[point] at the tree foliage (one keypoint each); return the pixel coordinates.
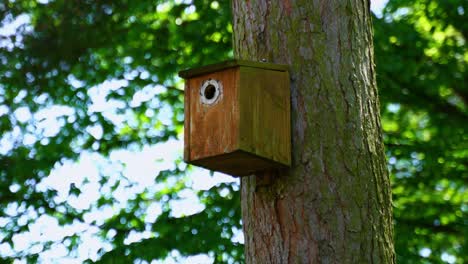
(421, 71)
(53, 68)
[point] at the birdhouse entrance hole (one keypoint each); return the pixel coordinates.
(210, 91)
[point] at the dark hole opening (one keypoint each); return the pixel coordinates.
(210, 92)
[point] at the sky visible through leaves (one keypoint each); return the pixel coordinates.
(139, 168)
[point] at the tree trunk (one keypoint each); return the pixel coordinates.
(334, 204)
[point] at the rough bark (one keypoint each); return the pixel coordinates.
(334, 204)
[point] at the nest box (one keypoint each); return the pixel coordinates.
(237, 117)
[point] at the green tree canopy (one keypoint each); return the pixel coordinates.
(69, 54)
(421, 70)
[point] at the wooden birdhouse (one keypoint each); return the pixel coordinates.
(237, 117)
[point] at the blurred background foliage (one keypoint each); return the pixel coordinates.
(65, 53)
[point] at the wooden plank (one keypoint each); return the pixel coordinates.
(238, 163)
(214, 128)
(230, 64)
(265, 124)
(187, 122)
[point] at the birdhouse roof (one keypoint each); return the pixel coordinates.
(189, 73)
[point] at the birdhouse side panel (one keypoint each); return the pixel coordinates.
(265, 125)
(214, 114)
(186, 122)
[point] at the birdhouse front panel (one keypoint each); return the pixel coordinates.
(214, 114)
(237, 117)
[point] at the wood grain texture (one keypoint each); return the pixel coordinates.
(187, 122)
(238, 163)
(248, 128)
(265, 123)
(214, 128)
(334, 204)
(216, 67)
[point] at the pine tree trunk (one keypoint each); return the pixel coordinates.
(334, 204)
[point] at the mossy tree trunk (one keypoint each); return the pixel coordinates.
(334, 204)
